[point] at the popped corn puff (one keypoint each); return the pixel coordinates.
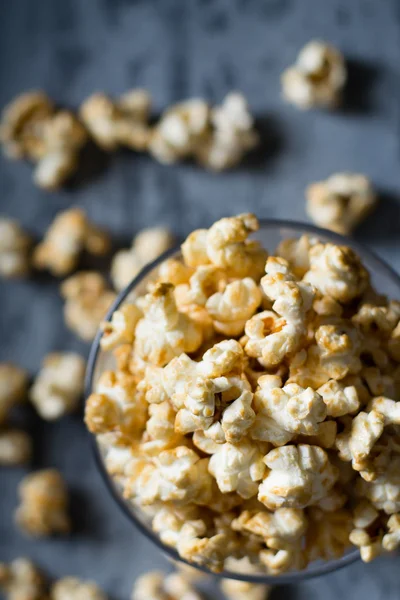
(87, 300)
(43, 504)
(120, 122)
(146, 247)
(253, 454)
(22, 580)
(72, 588)
(159, 586)
(341, 202)
(14, 247)
(13, 388)
(15, 447)
(59, 385)
(67, 237)
(317, 78)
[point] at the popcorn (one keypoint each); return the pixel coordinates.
(244, 590)
(59, 385)
(238, 468)
(341, 202)
(121, 122)
(327, 534)
(69, 234)
(277, 562)
(13, 388)
(15, 447)
(158, 586)
(284, 412)
(336, 271)
(232, 135)
(276, 335)
(279, 529)
(148, 245)
(43, 508)
(164, 332)
(231, 308)
(71, 588)
(298, 477)
(205, 282)
(14, 246)
(87, 301)
(296, 252)
(180, 131)
(340, 400)
(356, 444)
(209, 552)
(391, 540)
(317, 78)
(121, 328)
(21, 580)
(384, 491)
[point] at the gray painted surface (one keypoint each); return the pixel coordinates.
(179, 49)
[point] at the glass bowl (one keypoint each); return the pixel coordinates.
(271, 232)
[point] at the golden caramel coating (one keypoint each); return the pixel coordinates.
(14, 247)
(13, 388)
(22, 580)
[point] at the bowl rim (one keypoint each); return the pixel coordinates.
(286, 578)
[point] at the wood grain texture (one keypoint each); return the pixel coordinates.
(178, 49)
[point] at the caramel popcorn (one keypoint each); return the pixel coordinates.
(59, 385)
(13, 388)
(341, 202)
(249, 418)
(159, 586)
(71, 588)
(87, 300)
(14, 246)
(70, 233)
(43, 508)
(120, 122)
(244, 590)
(317, 78)
(22, 580)
(15, 447)
(146, 247)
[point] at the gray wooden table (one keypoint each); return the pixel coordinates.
(179, 49)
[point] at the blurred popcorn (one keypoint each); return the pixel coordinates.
(67, 237)
(155, 585)
(317, 78)
(59, 385)
(21, 580)
(71, 588)
(148, 245)
(341, 202)
(87, 300)
(14, 249)
(15, 447)
(120, 122)
(43, 504)
(13, 388)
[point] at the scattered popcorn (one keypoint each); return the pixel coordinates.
(317, 78)
(121, 122)
(21, 580)
(243, 590)
(71, 588)
(159, 586)
(148, 245)
(253, 418)
(70, 233)
(15, 447)
(59, 385)
(341, 202)
(87, 300)
(43, 507)
(14, 247)
(13, 388)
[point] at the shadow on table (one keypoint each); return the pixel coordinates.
(283, 592)
(270, 147)
(384, 222)
(358, 93)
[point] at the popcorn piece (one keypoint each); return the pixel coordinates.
(298, 477)
(370, 545)
(179, 131)
(341, 202)
(161, 430)
(231, 308)
(13, 387)
(231, 137)
(59, 385)
(283, 412)
(221, 359)
(317, 78)
(391, 540)
(336, 271)
(121, 328)
(15, 448)
(14, 246)
(21, 580)
(209, 552)
(384, 491)
(244, 590)
(174, 271)
(327, 534)
(279, 561)
(356, 444)
(238, 468)
(272, 338)
(43, 508)
(71, 588)
(205, 282)
(87, 301)
(340, 400)
(194, 249)
(148, 245)
(296, 252)
(69, 234)
(121, 122)
(158, 586)
(278, 529)
(164, 332)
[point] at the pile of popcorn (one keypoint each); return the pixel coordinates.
(252, 411)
